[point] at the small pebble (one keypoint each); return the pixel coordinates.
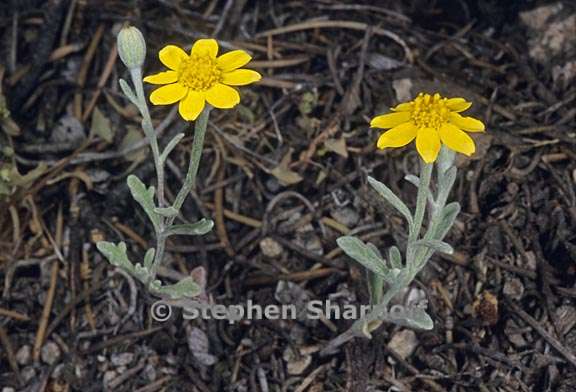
(271, 248)
(296, 364)
(108, 377)
(58, 371)
(122, 359)
(566, 318)
(404, 343)
(513, 288)
(28, 373)
(347, 216)
(150, 372)
(50, 353)
(24, 355)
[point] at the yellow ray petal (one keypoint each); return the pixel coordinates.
(428, 144)
(233, 60)
(206, 46)
(240, 77)
(456, 139)
(390, 120)
(458, 104)
(165, 77)
(398, 136)
(168, 94)
(222, 96)
(171, 56)
(467, 123)
(403, 107)
(192, 105)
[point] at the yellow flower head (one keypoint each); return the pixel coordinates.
(199, 77)
(432, 120)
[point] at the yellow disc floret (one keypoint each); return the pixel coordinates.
(429, 111)
(199, 72)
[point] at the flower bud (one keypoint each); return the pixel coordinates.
(131, 47)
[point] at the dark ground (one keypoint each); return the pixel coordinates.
(283, 176)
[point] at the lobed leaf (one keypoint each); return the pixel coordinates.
(415, 317)
(201, 227)
(145, 197)
(149, 258)
(187, 287)
(141, 273)
(437, 245)
(167, 212)
(116, 254)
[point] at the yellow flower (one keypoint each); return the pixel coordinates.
(199, 77)
(432, 120)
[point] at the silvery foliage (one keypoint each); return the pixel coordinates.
(392, 271)
(162, 217)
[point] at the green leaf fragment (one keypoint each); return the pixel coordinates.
(418, 318)
(375, 287)
(389, 196)
(363, 253)
(128, 92)
(447, 219)
(149, 258)
(412, 179)
(118, 257)
(201, 227)
(145, 197)
(170, 146)
(437, 245)
(395, 257)
(168, 212)
(116, 254)
(186, 288)
(141, 273)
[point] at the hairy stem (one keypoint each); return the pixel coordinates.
(360, 326)
(421, 200)
(423, 189)
(189, 184)
(148, 127)
(190, 181)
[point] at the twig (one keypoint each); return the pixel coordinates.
(42, 327)
(83, 73)
(5, 341)
(14, 315)
(547, 336)
(343, 24)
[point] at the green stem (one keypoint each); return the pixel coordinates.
(136, 75)
(421, 200)
(423, 189)
(189, 184)
(148, 127)
(190, 181)
(360, 326)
